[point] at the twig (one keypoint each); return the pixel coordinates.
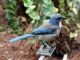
(41, 57)
(67, 46)
(65, 57)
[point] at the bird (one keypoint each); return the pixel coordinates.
(46, 31)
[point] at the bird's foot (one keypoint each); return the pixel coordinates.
(47, 51)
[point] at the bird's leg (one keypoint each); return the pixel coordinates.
(45, 49)
(43, 43)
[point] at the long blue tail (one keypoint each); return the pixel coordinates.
(21, 37)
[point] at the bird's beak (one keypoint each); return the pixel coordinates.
(63, 17)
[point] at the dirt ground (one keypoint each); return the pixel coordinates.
(22, 50)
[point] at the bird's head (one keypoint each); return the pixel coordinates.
(57, 18)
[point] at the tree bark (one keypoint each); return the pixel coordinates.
(66, 7)
(56, 4)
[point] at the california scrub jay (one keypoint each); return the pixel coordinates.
(46, 31)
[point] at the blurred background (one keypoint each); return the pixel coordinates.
(19, 17)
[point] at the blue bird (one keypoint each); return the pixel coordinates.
(46, 31)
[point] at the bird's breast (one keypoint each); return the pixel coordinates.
(46, 37)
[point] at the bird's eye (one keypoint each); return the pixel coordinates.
(59, 18)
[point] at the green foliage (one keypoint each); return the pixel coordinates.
(73, 16)
(39, 10)
(2, 28)
(11, 15)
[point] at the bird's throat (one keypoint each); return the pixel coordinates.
(60, 24)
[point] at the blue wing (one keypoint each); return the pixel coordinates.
(42, 31)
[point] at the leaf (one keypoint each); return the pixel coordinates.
(48, 10)
(75, 34)
(31, 42)
(78, 25)
(74, 10)
(33, 21)
(47, 2)
(30, 9)
(34, 15)
(28, 3)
